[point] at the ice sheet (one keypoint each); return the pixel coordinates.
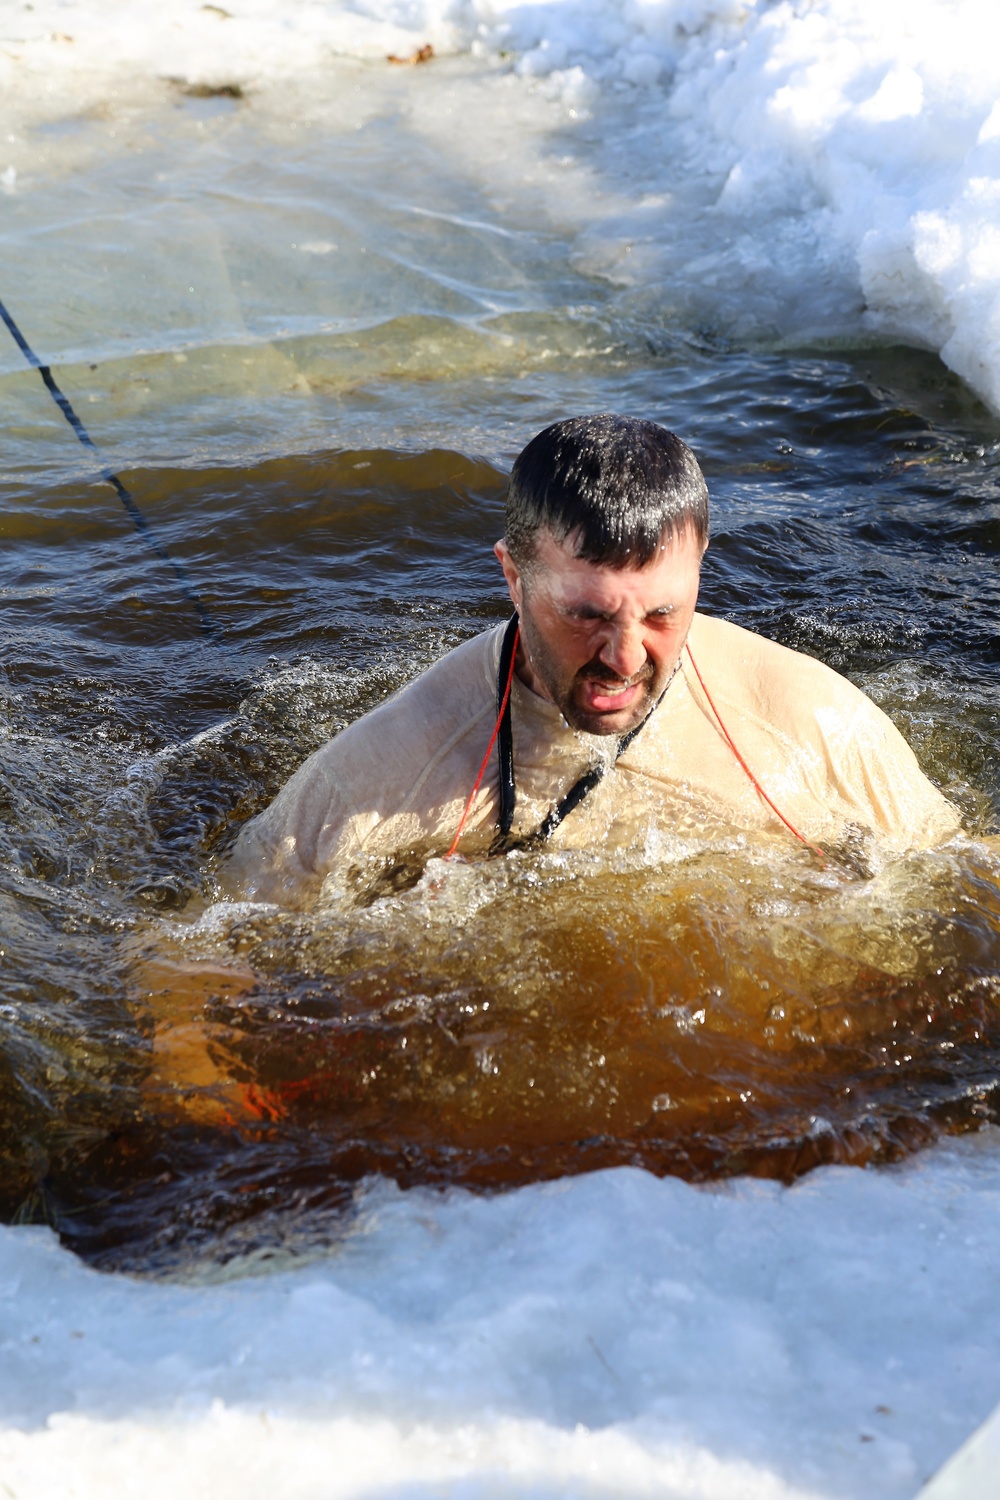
(614, 1334)
(767, 171)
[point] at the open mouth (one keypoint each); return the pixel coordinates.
(609, 697)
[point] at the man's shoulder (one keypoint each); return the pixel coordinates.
(405, 758)
(760, 674)
(775, 684)
(429, 722)
(789, 709)
(435, 705)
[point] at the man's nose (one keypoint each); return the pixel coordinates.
(624, 651)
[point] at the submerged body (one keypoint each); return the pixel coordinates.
(657, 992)
(699, 727)
(397, 780)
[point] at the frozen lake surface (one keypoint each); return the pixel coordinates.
(613, 1334)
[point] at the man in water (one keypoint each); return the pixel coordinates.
(629, 719)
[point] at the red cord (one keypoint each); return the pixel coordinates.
(754, 782)
(489, 747)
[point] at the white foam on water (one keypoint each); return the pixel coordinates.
(613, 1334)
(767, 171)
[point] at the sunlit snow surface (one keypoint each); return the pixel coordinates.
(608, 1335)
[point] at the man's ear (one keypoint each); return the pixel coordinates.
(511, 572)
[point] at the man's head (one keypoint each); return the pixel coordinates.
(607, 521)
(623, 487)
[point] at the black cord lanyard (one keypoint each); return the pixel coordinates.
(505, 756)
(209, 624)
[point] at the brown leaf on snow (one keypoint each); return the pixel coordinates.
(422, 55)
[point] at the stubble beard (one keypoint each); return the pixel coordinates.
(562, 690)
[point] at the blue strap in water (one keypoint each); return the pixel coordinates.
(208, 624)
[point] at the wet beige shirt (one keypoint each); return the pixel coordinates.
(398, 778)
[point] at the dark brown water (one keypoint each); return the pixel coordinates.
(713, 1011)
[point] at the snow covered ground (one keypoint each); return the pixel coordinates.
(610, 1335)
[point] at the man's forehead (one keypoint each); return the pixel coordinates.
(680, 548)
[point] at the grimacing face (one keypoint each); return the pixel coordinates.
(601, 642)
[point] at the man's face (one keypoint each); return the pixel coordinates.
(600, 642)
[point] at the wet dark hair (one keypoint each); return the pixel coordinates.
(620, 484)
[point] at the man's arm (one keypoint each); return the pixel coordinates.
(880, 773)
(284, 853)
(185, 1080)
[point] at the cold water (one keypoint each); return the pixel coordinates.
(312, 340)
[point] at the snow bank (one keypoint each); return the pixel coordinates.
(612, 1334)
(870, 132)
(855, 145)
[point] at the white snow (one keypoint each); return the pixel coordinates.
(613, 1334)
(971, 1474)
